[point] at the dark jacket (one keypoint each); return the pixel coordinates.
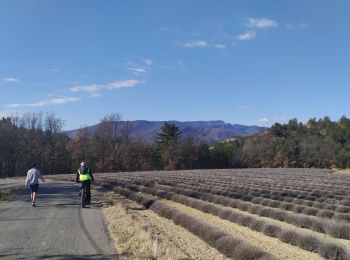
(85, 170)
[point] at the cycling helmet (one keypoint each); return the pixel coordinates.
(83, 164)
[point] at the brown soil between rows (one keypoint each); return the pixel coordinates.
(125, 228)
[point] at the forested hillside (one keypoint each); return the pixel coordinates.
(36, 137)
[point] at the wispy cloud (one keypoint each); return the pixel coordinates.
(94, 89)
(136, 70)
(55, 70)
(52, 101)
(269, 121)
(263, 120)
(10, 79)
(220, 46)
(193, 44)
(140, 67)
(247, 36)
(261, 23)
(297, 26)
(148, 62)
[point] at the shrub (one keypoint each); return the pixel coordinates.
(265, 202)
(302, 221)
(265, 212)
(234, 217)
(343, 209)
(298, 208)
(254, 209)
(244, 206)
(257, 225)
(309, 242)
(274, 204)
(279, 215)
(342, 217)
(257, 200)
(318, 226)
(225, 213)
(287, 206)
(333, 251)
(289, 236)
(272, 230)
(338, 229)
(288, 199)
(244, 220)
(247, 198)
(310, 211)
(325, 214)
(330, 207)
(248, 252)
(227, 245)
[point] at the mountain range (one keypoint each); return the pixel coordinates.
(208, 131)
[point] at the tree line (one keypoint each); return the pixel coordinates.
(37, 137)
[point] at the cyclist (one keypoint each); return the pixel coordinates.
(84, 176)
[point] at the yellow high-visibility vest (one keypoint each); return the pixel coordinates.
(84, 176)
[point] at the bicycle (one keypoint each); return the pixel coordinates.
(83, 197)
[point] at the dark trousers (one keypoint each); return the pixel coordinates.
(86, 185)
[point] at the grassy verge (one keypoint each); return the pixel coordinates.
(8, 192)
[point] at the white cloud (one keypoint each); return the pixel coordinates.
(52, 101)
(247, 36)
(10, 79)
(86, 88)
(55, 70)
(140, 67)
(220, 46)
(261, 23)
(263, 120)
(193, 44)
(136, 70)
(123, 84)
(94, 89)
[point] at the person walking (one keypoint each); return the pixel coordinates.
(84, 176)
(32, 180)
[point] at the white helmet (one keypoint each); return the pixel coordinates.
(83, 164)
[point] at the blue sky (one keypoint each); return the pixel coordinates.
(248, 62)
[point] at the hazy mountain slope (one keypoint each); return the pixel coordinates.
(206, 130)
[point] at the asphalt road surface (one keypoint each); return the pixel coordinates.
(56, 228)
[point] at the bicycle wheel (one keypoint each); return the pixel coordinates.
(83, 198)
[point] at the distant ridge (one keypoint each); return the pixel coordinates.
(208, 131)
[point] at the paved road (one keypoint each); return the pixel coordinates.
(57, 228)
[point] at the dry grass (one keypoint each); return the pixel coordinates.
(6, 193)
(133, 241)
(141, 234)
